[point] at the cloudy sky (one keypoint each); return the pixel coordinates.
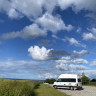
(44, 38)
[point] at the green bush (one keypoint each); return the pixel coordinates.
(50, 81)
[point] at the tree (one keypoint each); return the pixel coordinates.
(47, 81)
(50, 81)
(85, 79)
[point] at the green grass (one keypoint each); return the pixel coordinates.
(46, 90)
(17, 87)
(26, 88)
(91, 84)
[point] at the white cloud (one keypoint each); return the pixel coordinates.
(73, 41)
(49, 5)
(64, 4)
(47, 75)
(10, 35)
(91, 15)
(88, 36)
(48, 22)
(33, 31)
(39, 53)
(78, 30)
(65, 60)
(77, 67)
(53, 23)
(31, 8)
(71, 67)
(90, 73)
(72, 60)
(5, 6)
(13, 14)
(17, 65)
(43, 54)
(14, 64)
(22, 68)
(78, 5)
(93, 63)
(54, 36)
(30, 31)
(63, 67)
(80, 53)
(91, 35)
(80, 61)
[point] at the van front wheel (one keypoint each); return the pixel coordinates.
(55, 87)
(71, 88)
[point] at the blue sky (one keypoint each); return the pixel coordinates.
(43, 39)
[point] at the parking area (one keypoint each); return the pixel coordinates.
(86, 91)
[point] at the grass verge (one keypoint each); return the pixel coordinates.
(46, 90)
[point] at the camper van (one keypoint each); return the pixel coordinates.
(71, 81)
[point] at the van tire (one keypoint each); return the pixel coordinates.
(71, 88)
(55, 87)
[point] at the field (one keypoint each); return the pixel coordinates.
(26, 88)
(17, 87)
(91, 84)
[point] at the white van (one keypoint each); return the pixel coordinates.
(72, 81)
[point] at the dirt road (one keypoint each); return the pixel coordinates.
(87, 91)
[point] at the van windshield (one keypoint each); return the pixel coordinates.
(66, 80)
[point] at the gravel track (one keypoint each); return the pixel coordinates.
(86, 91)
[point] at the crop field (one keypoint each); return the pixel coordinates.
(26, 88)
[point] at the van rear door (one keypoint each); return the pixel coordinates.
(79, 82)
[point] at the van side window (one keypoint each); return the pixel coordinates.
(73, 80)
(68, 80)
(79, 80)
